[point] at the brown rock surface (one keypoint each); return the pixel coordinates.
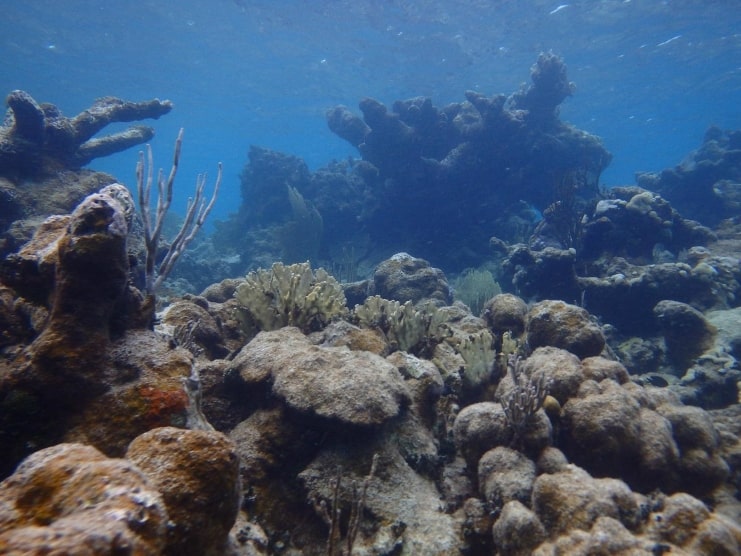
(352, 387)
(405, 278)
(572, 499)
(505, 313)
(71, 499)
(558, 324)
(197, 473)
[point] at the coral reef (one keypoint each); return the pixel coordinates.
(452, 469)
(705, 186)
(292, 295)
(264, 417)
(513, 155)
(503, 149)
(36, 139)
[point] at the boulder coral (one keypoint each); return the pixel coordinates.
(176, 492)
(71, 499)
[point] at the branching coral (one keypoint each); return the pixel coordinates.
(404, 326)
(195, 214)
(525, 398)
(36, 138)
(289, 295)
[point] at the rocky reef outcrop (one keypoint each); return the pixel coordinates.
(37, 139)
(706, 185)
(429, 181)
(393, 433)
(83, 364)
(593, 407)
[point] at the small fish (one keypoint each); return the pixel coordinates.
(558, 9)
(669, 40)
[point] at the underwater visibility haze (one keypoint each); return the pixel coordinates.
(416, 277)
(651, 76)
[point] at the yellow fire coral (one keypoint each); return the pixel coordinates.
(289, 295)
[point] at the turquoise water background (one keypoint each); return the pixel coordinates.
(651, 76)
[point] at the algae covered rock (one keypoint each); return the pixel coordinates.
(403, 505)
(71, 499)
(406, 278)
(558, 324)
(506, 313)
(562, 368)
(573, 499)
(91, 275)
(193, 327)
(602, 429)
(684, 521)
(687, 334)
(478, 428)
(94, 373)
(140, 388)
(518, 530)
(352, 387)
(606, 536)
(505, 475)
(197, 474)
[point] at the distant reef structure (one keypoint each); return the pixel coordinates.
(36, 138)
(706, 185)
(437, 182)
(594, 412)
(42, 154)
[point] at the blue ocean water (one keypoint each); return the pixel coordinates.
(651, 75)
